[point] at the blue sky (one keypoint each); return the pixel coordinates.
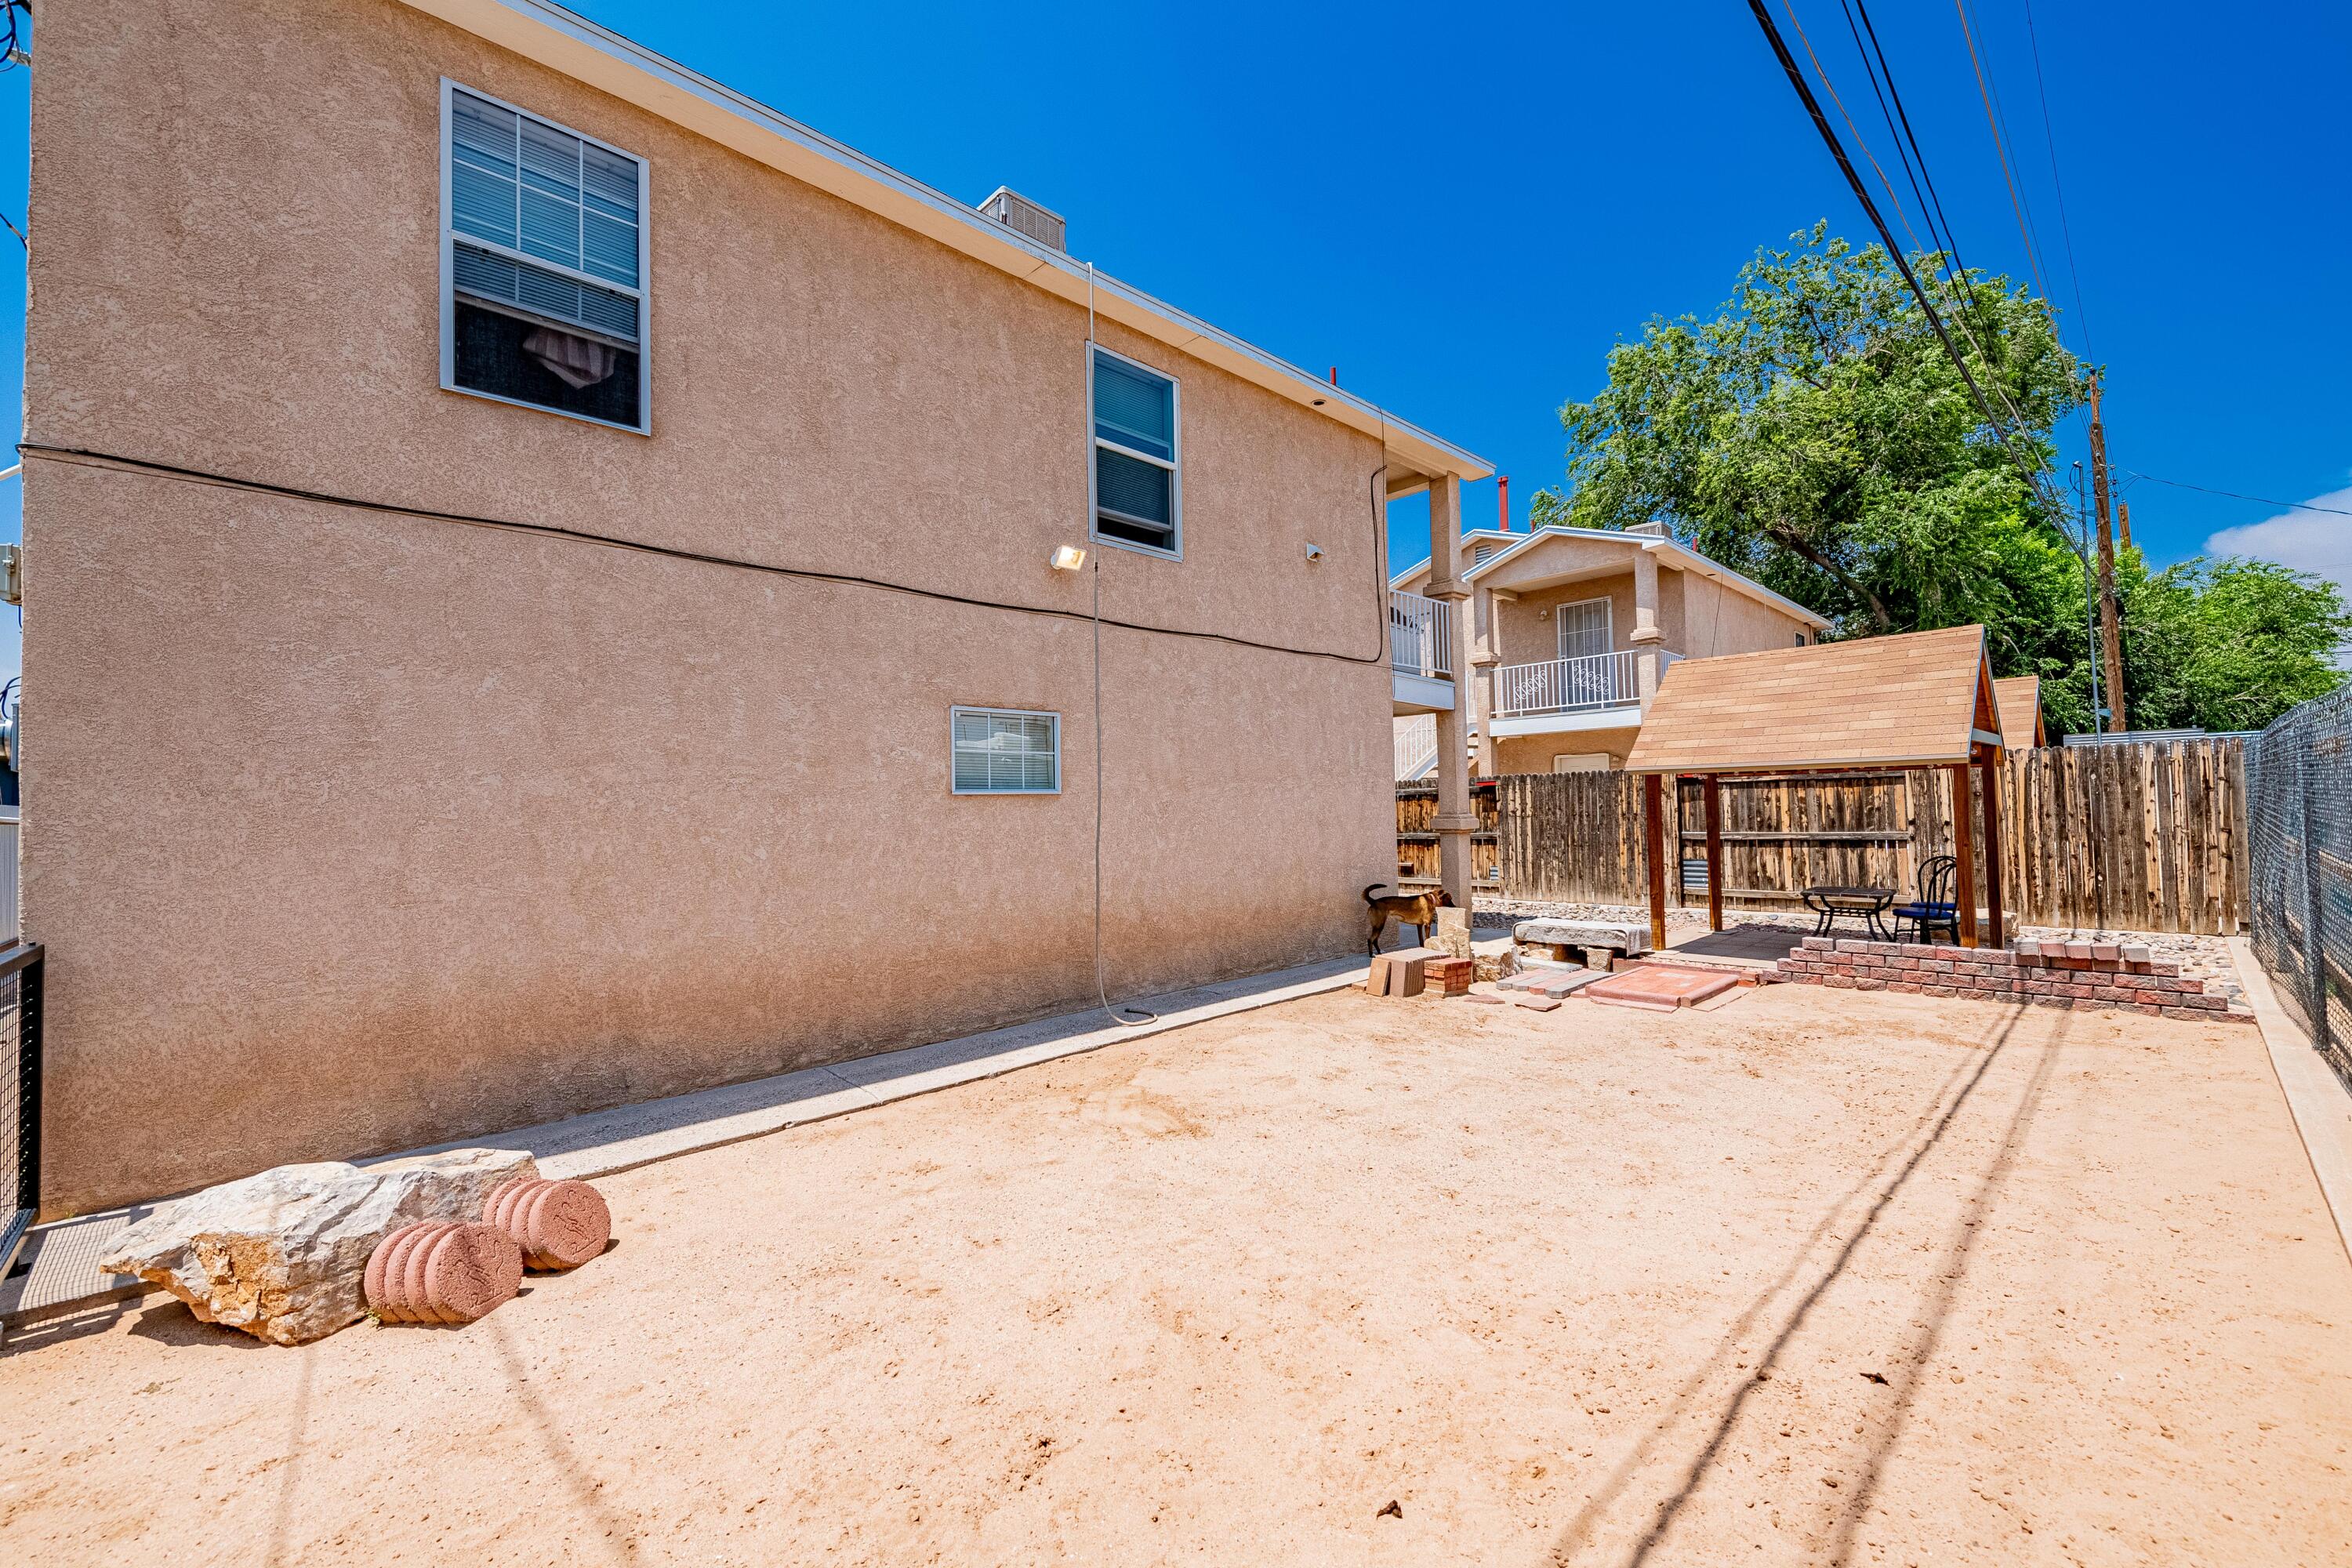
(1462, 207)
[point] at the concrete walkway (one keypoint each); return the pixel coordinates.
(60, 1261)
(2321, 1104)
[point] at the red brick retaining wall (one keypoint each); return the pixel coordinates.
(2085, 976)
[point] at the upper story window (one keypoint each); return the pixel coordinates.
(543, 264)
(1138, 494)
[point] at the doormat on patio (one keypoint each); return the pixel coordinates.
(1662, 988)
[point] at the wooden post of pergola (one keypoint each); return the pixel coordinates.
(1964, 850)
(1714, 853)
(1654, 818)
(1988, 770)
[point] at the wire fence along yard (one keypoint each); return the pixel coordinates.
(20, 1093)
(2299, 775)
(2140, 837)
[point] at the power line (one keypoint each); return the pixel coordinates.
(2031, 473)
(1951, 239)
(1997, 122)
(697, 557)
(2233, 495)
(1885, 184)
(2065, 228)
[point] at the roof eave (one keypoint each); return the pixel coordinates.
(612, 64)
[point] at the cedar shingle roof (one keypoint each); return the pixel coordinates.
(1905, 701)
(2020, 697)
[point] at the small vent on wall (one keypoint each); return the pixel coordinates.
(1018, 214)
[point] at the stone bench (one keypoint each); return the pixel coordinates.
(1594, 942)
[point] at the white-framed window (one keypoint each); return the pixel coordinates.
(1005, 750)
(1585, 630)
(1139, 493)
(543, 264)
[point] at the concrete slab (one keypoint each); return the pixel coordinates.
(1661, 987)
(66, 1277)
(2317, 1097)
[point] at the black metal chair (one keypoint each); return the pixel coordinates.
(1935, 909)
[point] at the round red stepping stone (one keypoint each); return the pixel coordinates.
(510, 1199)
(469, 1270)
(371, 1281)
(408, 1288)
(392, 1271)
(565, 1224)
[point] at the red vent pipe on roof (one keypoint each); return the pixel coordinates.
(1503, 501)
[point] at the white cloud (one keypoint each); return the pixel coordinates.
(2314, 541)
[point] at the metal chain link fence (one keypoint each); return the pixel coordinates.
(2299, 818)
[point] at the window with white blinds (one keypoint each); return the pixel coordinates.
(1584, 629)
(544, 244)
(1004, 751)
(1138, 495)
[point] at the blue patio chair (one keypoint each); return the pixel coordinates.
(1935, 909)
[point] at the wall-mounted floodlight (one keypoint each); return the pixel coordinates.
(1068, 557)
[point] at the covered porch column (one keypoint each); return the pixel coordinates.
(1647, 635)
(1455, 818)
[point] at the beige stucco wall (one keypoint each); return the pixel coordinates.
(1701, 618)
(1534, 753)
(350, 830)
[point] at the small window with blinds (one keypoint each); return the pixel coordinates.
(1138, 494)
(543, 264)
(1005, 750)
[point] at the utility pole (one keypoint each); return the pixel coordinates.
(2111, 641)
(2090, 607)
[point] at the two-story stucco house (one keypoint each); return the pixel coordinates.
(608, 552)
(1570, 630)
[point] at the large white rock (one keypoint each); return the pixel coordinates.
(282, 1255)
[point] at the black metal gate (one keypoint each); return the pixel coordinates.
(20, 1083)
(2299, 819)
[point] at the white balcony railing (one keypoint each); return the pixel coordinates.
(1567, 685)
(1416, 746)
(1421, 636)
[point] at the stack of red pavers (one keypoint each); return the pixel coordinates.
(455, 1271)
(558, 1224)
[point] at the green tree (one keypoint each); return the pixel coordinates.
(1816, 436)
(2227, 644)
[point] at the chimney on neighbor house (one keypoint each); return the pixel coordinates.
(1503, 502)
(1024, 217)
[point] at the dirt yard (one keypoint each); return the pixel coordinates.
(1817, 1278)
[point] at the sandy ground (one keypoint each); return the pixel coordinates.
(1814, 1277)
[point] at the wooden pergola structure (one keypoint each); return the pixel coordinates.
(1890, 704)
(2020, 697)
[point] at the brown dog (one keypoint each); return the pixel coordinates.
(1418, 911)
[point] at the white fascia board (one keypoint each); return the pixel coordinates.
(1682, 556)
(1627, 716)
(1691, 560)
(612, 64)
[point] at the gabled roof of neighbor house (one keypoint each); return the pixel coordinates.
(603, 59)
(1919, 699)
(1669, 554)
(2020, 697)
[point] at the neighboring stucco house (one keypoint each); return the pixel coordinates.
(598, 532)
(1571, 628)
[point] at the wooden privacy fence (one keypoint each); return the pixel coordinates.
(1416, 808)
(2143, 837)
